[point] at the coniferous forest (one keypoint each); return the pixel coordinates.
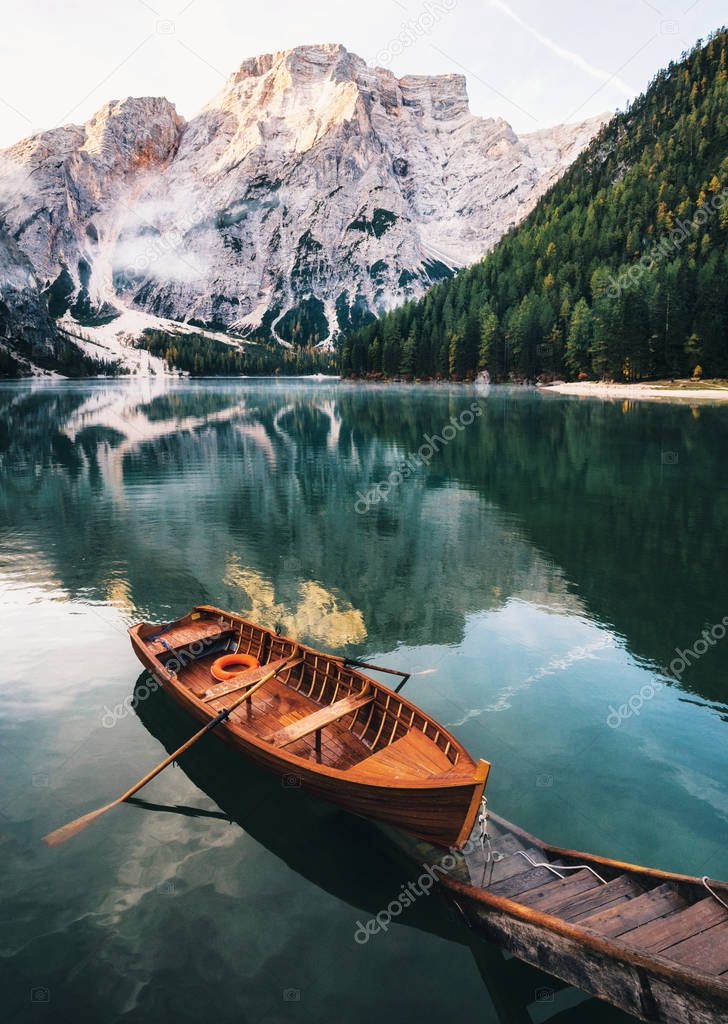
(620, 272)
(201, 356)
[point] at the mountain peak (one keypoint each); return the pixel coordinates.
(311, 193)
(313, 61)
(311, 87)
(145, 128)
(131, 131)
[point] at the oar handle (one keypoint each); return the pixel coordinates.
(220, 717)
(373, 668)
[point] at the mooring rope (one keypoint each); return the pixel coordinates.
(562, 867)
(485, 838)
(712, 892)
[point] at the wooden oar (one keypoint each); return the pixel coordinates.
(374, 668)
(60, 835)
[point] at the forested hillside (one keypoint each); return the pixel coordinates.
(620, 272)
(201, 356)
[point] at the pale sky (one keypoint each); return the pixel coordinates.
(534, 62)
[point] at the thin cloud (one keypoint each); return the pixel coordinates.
(568, 55)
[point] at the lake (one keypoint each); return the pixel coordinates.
(536, 560)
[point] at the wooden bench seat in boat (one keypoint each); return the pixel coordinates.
(318, 719)
(412, 754)
(185, 634)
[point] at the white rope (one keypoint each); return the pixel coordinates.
(540, 864)
(485, 838)
(712, 892)
(562, 867)
(483, 819)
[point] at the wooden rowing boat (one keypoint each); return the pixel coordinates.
(651, 942)
(366, 864)
(355, 861)
(321, 724)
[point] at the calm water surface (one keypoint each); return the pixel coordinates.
(537, 575)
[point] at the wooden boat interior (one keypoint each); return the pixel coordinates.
(653, 913)
(316, 707)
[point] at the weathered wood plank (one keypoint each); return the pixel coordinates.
(512, 864)
(707, 952)
(648, 997)
(667, 931)
(559, 891)
(515, 887)
(615, 921)
(621, 888)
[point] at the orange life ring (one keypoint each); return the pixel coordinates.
(219, 667)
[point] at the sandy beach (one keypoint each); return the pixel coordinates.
(667, 391)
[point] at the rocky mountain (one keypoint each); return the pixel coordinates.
(25, 324)
(310, 193)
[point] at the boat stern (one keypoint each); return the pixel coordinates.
(482, 771)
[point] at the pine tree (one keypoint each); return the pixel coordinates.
(408, 365)
(488, 330)
(455, 355)
(579, 339)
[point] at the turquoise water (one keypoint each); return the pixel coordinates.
(536, 564)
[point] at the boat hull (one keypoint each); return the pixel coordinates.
(636, 984)
(632, 965)
(442, 813)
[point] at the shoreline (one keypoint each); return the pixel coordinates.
(652, 392)
(647, 391)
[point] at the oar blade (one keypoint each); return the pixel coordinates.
(74, 827)
(60, 835)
